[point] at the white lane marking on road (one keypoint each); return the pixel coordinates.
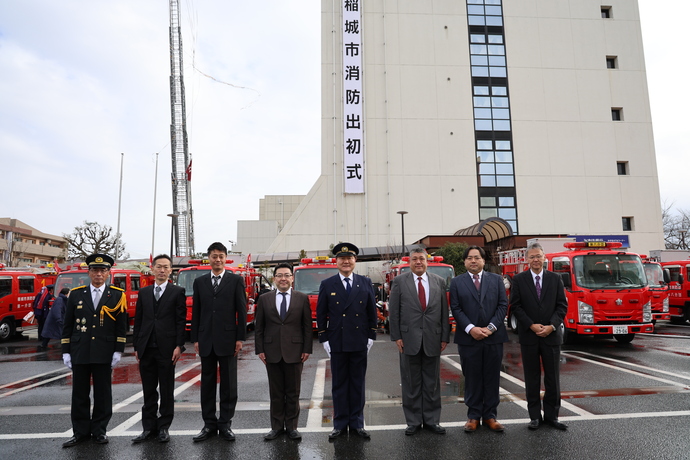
(627, 371)
(17, 382)
(34, 385)
(315, 415)
(127, 424)
(651, 369)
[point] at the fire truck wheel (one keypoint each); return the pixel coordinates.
(624, 338)
(512, 320)
(7, 329)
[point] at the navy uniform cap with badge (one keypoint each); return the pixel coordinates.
(92, 333)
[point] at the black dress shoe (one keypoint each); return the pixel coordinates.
(102, 439)
(163, 435)
(204, 434)
(534, 424)
(144, 436)
(74, 440)
(438, 429)
(411, 429)
(361, 432)
(227, 434)
(557, 424)
(294, 434)
(336, 433)
(271, 435)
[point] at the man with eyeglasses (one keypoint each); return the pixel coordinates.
(283, 338)
(93, 339)
(538, 301)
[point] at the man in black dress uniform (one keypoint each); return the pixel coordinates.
(93, 339)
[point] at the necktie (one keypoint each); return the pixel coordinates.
(482, 317)
(476, 281)
(421, 292)
(538, 286)
(96, 297)
(215, 283)
(158, 293)
(348, 288)
(283, 305)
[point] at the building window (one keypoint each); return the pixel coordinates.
(606, 12)
(627, 224)
(611, 62)
(622, 168)
(617, 114)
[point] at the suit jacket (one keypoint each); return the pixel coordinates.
(529, 309)
(280, 339)
(465, 303)
(417, 327)
(166, 322)
(346, 322)
(219, 319)
(92, 334)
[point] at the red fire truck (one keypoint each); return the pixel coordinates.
(130, 279)
(252, 281)
(657, 281)
(679, 290)
(18, 287)
(435, 265)
(606, 289)
(308, 277)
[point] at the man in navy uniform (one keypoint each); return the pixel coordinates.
(93, 339)
(346, 321)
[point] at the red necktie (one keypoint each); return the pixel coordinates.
(476, 281)
(421, 293)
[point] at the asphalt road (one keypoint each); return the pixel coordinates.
(620, 401)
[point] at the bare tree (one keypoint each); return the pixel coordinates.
(93, 237)
(676, 227)
(15, 249)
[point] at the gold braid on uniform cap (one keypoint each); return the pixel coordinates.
(121, 306)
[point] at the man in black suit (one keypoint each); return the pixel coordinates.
(219, 318)
(93, 339)
(419, 325)
(158, 341)
(283, 342)
(346, 321)
(538, 301)
(478, 301)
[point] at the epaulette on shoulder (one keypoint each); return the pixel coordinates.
(117, 288)
(78, 287)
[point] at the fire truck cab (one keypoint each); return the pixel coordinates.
(658, 279)
(308, 277)
(198, 267)
(131, 280)
(18, 287)
(679, 290)
(606, 289)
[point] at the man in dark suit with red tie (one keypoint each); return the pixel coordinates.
(219, 317)
(158, 342)
(479, 304)
(283, 337)
(346, 321)
(538, 301)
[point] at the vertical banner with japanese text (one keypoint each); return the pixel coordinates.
(353, 119)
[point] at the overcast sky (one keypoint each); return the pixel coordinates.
(83, 81)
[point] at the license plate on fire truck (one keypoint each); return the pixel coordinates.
(620, 329)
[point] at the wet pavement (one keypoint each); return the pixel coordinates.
(627, 401)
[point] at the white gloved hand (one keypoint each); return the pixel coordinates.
(67, 359)
(370, 342)
(327, 347)
(116, 358)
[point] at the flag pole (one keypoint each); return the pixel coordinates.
(155, 191)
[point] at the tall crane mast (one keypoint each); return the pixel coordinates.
(183, 222)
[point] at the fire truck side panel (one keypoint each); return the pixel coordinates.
(679, 290)
(17, 292)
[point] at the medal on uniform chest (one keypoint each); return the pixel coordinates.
(83, 328)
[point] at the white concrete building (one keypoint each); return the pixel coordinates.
(535, 111)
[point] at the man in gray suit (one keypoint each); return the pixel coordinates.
(419, 325)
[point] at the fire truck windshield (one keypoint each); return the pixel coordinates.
(308, 280)
(185, 279)
(447, 273)
(609, 271)
(72, 280)
(655, 275)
